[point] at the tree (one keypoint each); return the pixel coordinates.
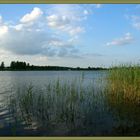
(12, 65)
(89, 68)
(2, 65)
(78, 68)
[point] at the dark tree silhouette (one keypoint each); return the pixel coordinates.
(19, 65)
(13, 65)
(89, 68)
(2, 66)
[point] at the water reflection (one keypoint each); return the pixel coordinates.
(58, 103)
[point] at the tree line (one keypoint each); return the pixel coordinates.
(19, 65)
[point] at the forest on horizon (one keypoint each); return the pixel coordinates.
(19, 65)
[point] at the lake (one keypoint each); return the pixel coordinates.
(55, 103)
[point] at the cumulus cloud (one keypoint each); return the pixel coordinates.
(76, 30)
(21, 42)
(31, 21)
(55, 42)
(31, 39)
(3, 27)
(57, 21)
(67, 19)
(34, 15)
(32, 43)
(125, 40)
(64, 24)
(3, 30)
(50, 34)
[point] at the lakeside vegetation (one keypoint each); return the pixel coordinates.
(71, 108)
(63, 107)
(23, 66)
(124, 81)
(124, 98)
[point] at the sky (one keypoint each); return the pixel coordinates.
(96, 35)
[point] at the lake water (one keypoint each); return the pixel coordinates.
(96, 118)
(9, 80)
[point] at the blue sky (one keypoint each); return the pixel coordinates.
(70, 35)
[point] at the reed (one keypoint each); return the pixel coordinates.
(70, 104)
(123, 97)
(124, 83)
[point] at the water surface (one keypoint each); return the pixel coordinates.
(95, 117)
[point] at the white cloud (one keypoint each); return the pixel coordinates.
(76, 30)
(34, 15)
(67, 19)
(98, 5)
(18, 27)
(55, 33)
(56, 43)
(3, 30)
(137, 25)
(58, 21)
(34, 39)
(136, 21)
(3, 27)
(0, 19)
(64, 23)
(86, 12)
(31, 20)
(41, 58)
(32, 42)
(125, 40)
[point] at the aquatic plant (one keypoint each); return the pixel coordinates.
(124, 82)
(123, 97)
(71, 107)
(70, 104)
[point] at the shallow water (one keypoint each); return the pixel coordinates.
(99, 119)
(10, 80)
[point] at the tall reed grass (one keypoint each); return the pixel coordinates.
(67, 105)
(124, 82)
(124, 98)
(76, 108)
